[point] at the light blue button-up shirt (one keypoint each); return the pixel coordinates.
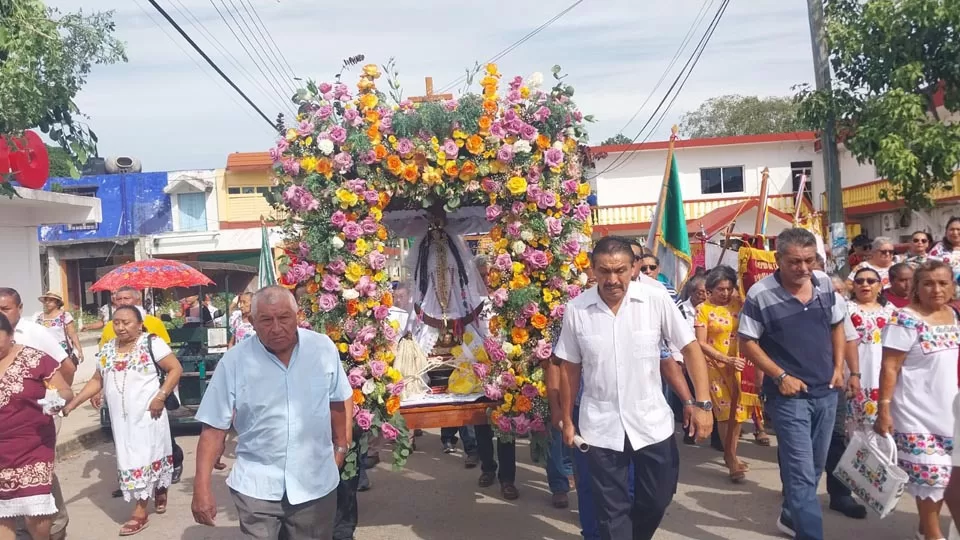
(285, 442)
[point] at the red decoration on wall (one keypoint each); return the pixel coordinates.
(29, 163)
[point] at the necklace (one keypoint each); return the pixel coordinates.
(121, 387)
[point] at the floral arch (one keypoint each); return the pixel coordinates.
(515, 149)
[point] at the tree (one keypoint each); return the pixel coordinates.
(726, 116)
(45, 57)
(890, 59)
(619, 138)
(60, 162)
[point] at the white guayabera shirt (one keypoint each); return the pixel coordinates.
(620, 354)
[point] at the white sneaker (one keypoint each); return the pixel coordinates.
(785, 525)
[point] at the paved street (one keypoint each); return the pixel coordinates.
(435, 498)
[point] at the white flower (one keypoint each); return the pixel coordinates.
(572, 133)
(558, 145)
(350, 294)
(583, 279)
(535, 80)
(521, 147)
(325, 146)
(507, 348)
(519, 247)
(526, 235)
(336, 242)
(368, 387)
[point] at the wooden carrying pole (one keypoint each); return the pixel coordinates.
(760, 226)
(652, 243)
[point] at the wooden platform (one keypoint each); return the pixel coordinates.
(453, 415)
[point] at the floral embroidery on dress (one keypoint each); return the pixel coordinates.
(929, 475)
(60, 321)
(11, 383)
(932, 339)
(919, 444)
(241, 328)
(137, 360)
(28, 476)
(869, 324)
(140, 482)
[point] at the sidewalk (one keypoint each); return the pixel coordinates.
(81, 430)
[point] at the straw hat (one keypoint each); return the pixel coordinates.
(52, 295)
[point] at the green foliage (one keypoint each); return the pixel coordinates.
(731, 115)
(45, 58)
(619, 138)
(889, 59)
(61, 165)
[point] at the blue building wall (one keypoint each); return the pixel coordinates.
(133, 205)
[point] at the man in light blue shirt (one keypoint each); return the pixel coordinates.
(292, 403)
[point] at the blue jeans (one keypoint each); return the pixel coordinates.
(467, 435)
(804, 429)
(590, 528)
(559, 464)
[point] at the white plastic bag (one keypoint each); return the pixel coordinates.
(871, 472)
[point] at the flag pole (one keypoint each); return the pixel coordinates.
(761, 224)
(658, 214)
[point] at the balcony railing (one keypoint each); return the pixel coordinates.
(869, 193)
(643, 213)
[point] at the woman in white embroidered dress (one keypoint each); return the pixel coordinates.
(869, 317)
(61, 323)
(918, 383)
(128, 371)
(241, 326)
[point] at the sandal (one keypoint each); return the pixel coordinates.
(737, 476)
(133, 526)
(761, 439)
(160, 500)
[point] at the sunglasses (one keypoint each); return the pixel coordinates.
(920, 241)
(648, 268)
(866, 281)
(886, 252)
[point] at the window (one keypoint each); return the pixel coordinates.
(193, 211)
(797, 170)
(233, 191)
(81, 191)
(718, 180)
(263, 190)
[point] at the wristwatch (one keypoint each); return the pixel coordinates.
(856, 374)
(705, 405)
(340, 449)
(778, 380)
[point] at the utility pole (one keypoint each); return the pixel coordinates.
(828, 137)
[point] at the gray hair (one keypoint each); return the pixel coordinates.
(719, 274)
(794, 237)
(481, 261)
(880, 241)
(272, 294)
(129, 289)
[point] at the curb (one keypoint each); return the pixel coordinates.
(83, 440)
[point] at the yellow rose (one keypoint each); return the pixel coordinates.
(507, 398)
(517, 185)
(371, 70)
(379, 276)
(517, 268)
(583, 189)
(361, 247)
(354, 271)
(388, 357)
(308, 164)
(393, 374)
(342, 347)
(547, 296)
(291, 135)
(369, 101)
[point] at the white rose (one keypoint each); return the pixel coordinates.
(583, 280)
(558, 145)
(521, 147)
(336, 242)
(368, 387)
(526, 235)
(350, 294)
(535, 80)
(519, 247)
(572, 133)
(325, 146)
(507, 348)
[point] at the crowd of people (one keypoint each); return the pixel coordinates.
(817, 356)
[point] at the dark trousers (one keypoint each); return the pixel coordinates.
(656, 474)
(838, 445)
(506, 455)
(467, 435)
(177, 451)
(348, 511)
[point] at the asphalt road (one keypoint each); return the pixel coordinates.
(435, 498)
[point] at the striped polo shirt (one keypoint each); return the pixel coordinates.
(797, 336)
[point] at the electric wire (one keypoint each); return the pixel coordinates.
(260, 46)
(290, 70)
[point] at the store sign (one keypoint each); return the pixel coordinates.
(26, 157)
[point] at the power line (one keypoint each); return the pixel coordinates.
(187, 54)
(517, 43)
(268, 78)
(293, 74)
(211, 62)
(227, 54)
(271, 65)
(684, 74)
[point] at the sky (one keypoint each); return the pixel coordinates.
(168, 108)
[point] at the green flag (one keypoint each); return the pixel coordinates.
(268, 275)
(673, 240)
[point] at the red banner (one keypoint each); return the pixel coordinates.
(754, 265)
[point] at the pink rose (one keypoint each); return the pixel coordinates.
(547, 199)
(530, 391)
(371, 196)
(338, 134)
(557, 312)
(337, 267)
(513, 229)
(499, 297)
(377, 260)
(330, 283)
(369, 225)
(503, 262)
(528, 132)
(533, 174)
(570, 248)
(493, 212)
(534, 192)
(494, 349)
(492, 392)
(581, 212)
(480, 370)
(389, 432)
(352, 230)
(450, 148)
(378, 368)
(554, 226)
(537, 425)
(396, 388)
(363, 418)
(381, 312)
(529, 309)
(389, 333)
(517, 208)
(508, 380)
(357, 350)
(538, 259)
(505, 154)
(543, 349)
(574, 291)
(366, 334)
(521, 424)
(569, 186)
(367, 286)
(504, 425)
(356, 377)
(338, 219)
(350, 328)
(327, 302)
(324, 88)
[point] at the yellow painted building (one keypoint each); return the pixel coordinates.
(240, 190)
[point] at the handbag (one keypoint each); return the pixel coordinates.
(872, 472)
(172, 403)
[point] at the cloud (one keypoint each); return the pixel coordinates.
(167, 107)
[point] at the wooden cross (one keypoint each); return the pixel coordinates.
(430, 95)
